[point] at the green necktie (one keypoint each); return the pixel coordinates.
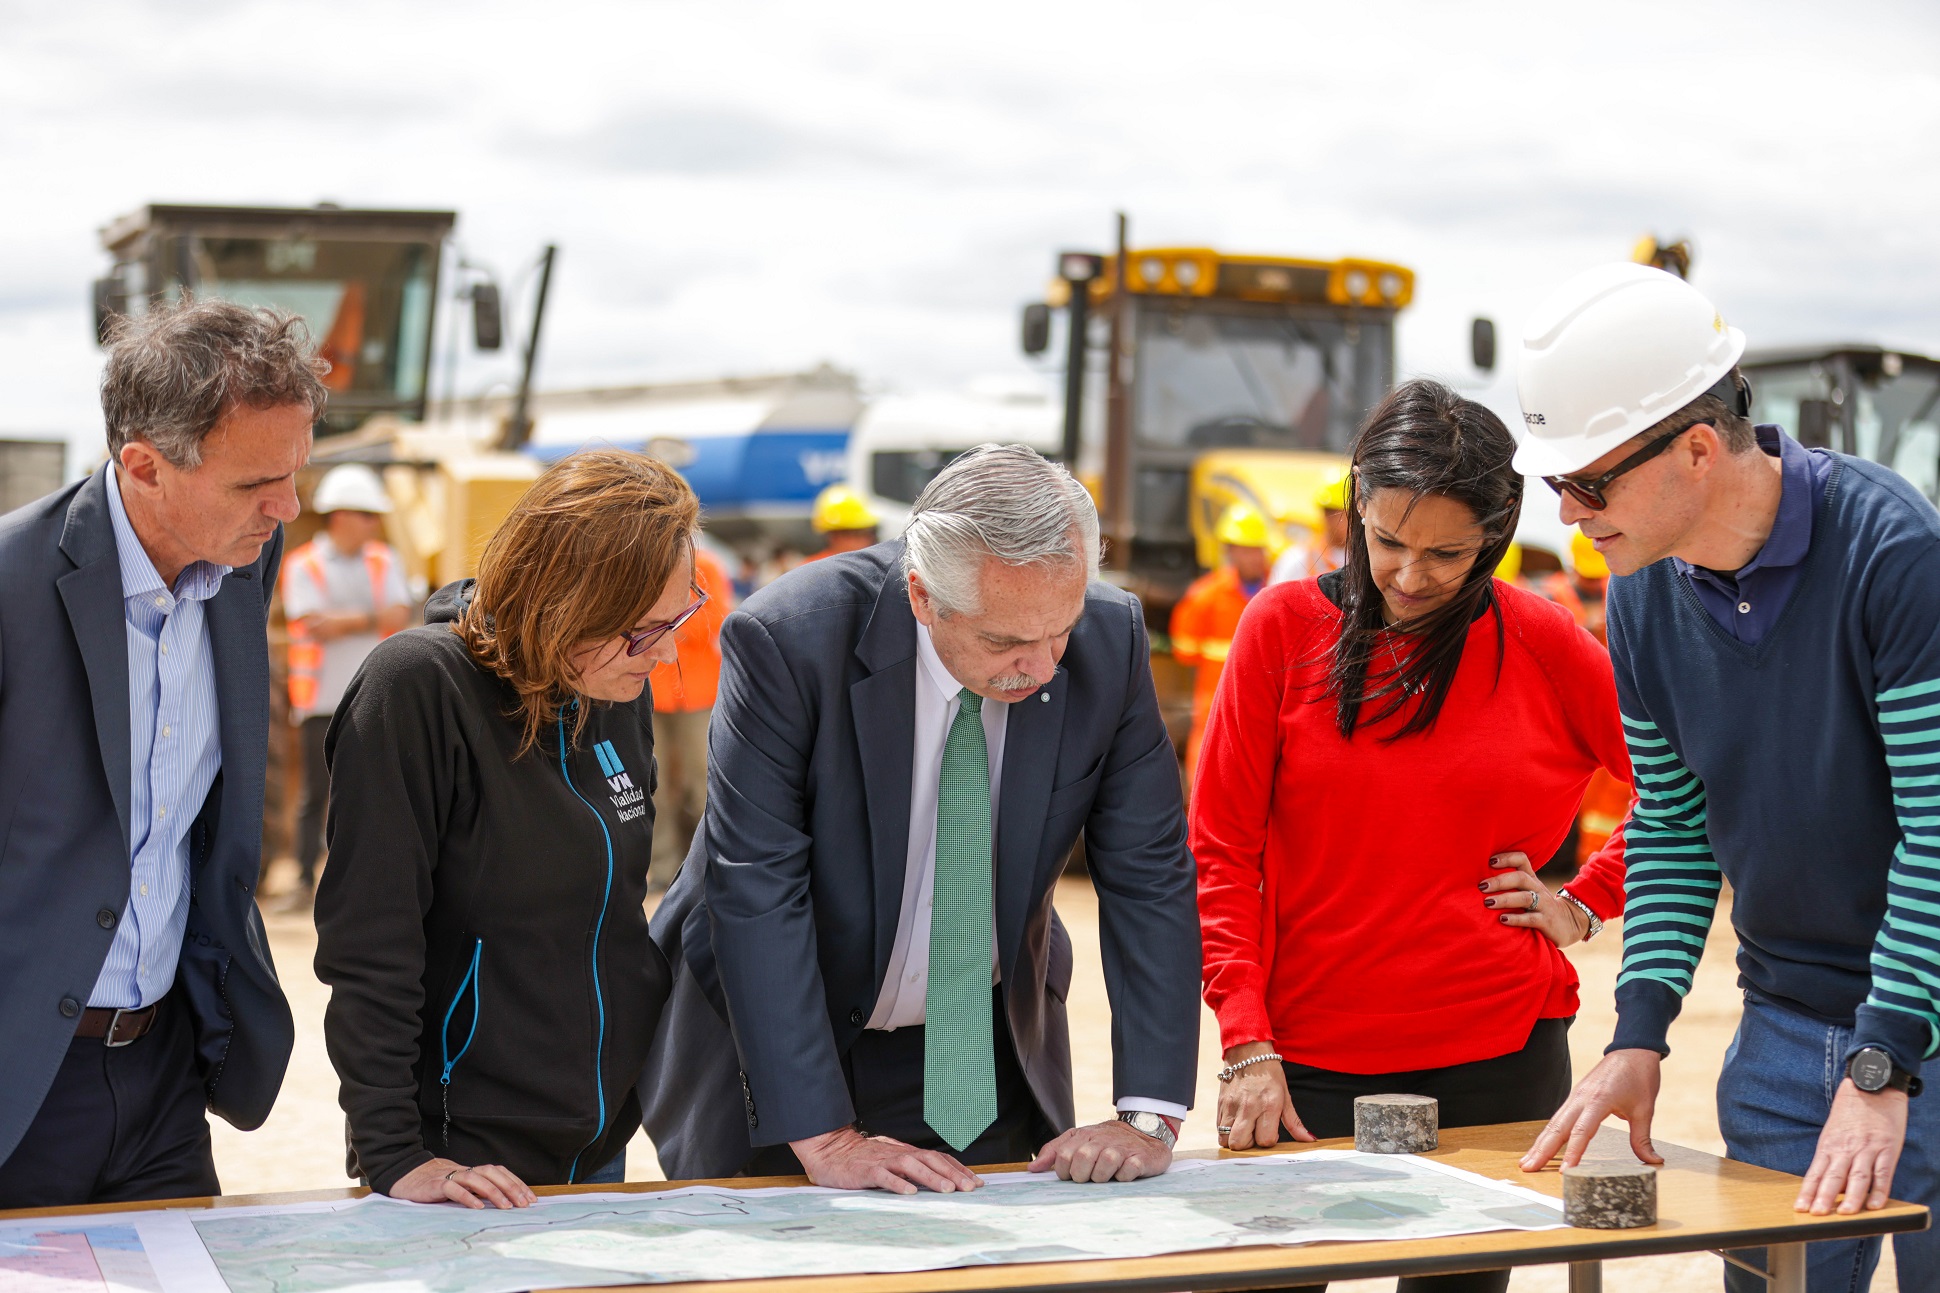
(959, 1073)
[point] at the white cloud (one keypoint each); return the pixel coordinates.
(748, 186)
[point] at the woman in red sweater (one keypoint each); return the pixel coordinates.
(1389, 747)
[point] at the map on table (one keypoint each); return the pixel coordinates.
(710, 1233)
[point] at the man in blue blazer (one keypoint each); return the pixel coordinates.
(907, 743)
(136, 988)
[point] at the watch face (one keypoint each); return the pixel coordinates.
(1871, 1070)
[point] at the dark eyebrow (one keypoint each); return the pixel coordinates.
(258, 484)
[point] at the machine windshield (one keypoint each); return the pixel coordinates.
(1231, 381)
(367, 303)
(1895, 419)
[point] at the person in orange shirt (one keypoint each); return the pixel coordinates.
(1327, 550)
(1204, 620)
(845, 521)
(1580, 590)
(683, 701)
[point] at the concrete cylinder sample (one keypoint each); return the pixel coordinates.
(1396, 1124)
(1610, 1196)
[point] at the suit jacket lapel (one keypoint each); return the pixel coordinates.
(239, 651)
(883, 709)
(92, 595)
(1031, 738)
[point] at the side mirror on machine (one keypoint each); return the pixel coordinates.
(1037, 328)
(1818, 424)
(110, 301)
(488, 329)
(1481, 344)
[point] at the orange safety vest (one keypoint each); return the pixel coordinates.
(1202, 635)
(306, 653)
(694, 682)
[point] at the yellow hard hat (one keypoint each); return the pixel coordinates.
(1241, 526)
(1332, 494)
(840, 508)
(1511, 564)
(1585, 559)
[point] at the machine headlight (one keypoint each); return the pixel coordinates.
(1186, 273)
(1390, 284)
(1152, 271)
(1356, 284)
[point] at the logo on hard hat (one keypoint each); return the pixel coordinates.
(1717, 323)
(1534, 419)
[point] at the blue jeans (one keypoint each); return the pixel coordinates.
(614, 1173)
(1774, 1098)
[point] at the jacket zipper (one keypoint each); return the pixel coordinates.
(444, 1034)
(599, 926)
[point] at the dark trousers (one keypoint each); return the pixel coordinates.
(885, 1076)
(316, 797)
(119, 1124)
(1522, 1086)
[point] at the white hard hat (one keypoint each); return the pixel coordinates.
(352, 487)
(1608, 355)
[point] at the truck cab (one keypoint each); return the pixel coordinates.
(1864, 400)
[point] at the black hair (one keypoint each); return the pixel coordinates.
(1426, 440)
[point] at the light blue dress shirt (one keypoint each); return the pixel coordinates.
(176, 750)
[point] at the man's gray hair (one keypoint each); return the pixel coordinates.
(174, 372)
(1003, 501)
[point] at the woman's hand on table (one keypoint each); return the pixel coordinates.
(443, 1181)
(1255, 1104)
(1519, 899)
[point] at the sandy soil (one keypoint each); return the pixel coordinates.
(301, 1146)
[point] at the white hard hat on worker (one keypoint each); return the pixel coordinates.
(1610, 354)
(352, 487)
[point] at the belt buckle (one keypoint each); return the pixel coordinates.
(108, 1038)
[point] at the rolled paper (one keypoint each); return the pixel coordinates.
(1396, 1124)
(1610, 1196)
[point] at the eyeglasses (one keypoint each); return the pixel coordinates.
(1590, 492)
(640, 639)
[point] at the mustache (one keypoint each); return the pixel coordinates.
(1014, 682)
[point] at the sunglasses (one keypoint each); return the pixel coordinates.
(1590, 492)
(640, 639)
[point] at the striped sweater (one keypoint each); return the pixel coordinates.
(1805, 769)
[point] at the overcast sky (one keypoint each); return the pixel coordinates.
(743, 187)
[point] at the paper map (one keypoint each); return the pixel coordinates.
(708, 1233)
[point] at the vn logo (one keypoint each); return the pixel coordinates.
(629, 801)
(615, 770)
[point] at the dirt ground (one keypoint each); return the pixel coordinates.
(301, 1146)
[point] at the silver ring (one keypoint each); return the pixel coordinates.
(1534, 898)
(1224, 1131)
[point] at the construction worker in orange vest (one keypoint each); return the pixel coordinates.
(683, 702)
(1205, 618)
(1327, 550)
(343, 592)
(843, 519)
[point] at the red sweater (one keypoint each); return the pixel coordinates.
(1337, 877)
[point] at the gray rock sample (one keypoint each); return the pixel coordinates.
(1610, 1196)
(1396, 1124)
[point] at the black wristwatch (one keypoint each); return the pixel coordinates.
(1872, 1070)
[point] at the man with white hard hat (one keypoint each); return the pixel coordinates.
(343, 592)
(1776, 635)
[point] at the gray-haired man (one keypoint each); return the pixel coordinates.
(907, 743)
(135, 983)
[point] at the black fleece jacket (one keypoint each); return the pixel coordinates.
(492, 986)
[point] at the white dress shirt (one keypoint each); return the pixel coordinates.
(905, 987)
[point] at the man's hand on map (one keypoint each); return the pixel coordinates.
(1105, 1151)
(443, 1181)
(1256, 1103)
(1859, 1149)
(1625, 1084)
(845, 1159)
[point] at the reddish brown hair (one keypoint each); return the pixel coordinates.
(585, 553)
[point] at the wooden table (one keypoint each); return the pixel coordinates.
(1703, 1203)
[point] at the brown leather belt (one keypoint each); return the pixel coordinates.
(116, 1027)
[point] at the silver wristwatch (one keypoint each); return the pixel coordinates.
(1596, 923)
(1151, 1124)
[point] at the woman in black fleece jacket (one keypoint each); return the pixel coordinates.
(493, 987)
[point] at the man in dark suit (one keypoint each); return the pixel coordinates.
(136, 988)
(907, 742)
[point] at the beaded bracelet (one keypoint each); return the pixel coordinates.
(1231, 1070)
